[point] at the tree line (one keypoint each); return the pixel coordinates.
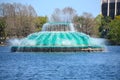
(110, 29)
(18, 20)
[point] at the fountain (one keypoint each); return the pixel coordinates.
(56, 37)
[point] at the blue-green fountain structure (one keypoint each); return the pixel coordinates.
(56, 37)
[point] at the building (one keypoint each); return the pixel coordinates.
(110, 8)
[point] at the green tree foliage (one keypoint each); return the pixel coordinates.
(2, 31)
(114, 31)
(97, 25)
(104, 27)
(78, 21)
(39, 21)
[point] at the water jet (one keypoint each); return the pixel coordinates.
(56, 37)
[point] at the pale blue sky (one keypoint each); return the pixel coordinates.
(46, 7)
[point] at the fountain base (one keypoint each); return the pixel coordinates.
(57, 49)
(56, 37)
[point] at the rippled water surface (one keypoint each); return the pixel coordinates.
(60, 66)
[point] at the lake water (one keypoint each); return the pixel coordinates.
(60, 66)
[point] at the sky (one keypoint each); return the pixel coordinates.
(46, 7)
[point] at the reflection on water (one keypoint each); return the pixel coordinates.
(60, 66)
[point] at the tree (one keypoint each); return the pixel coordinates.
(78, 21)
(97, 25)
(85, 23)
(19, 19)
(2, 31)
(114, 31)
(65, 15)
(69, 13)
(39, 21)
(56, 16)
(104, 27)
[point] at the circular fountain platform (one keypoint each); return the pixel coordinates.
(56, 37)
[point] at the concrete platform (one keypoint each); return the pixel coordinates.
(56, 49)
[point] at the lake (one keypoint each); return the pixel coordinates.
(60, 65)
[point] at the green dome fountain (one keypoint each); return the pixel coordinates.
(56, 37)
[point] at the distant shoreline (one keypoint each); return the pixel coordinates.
(3, 45)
